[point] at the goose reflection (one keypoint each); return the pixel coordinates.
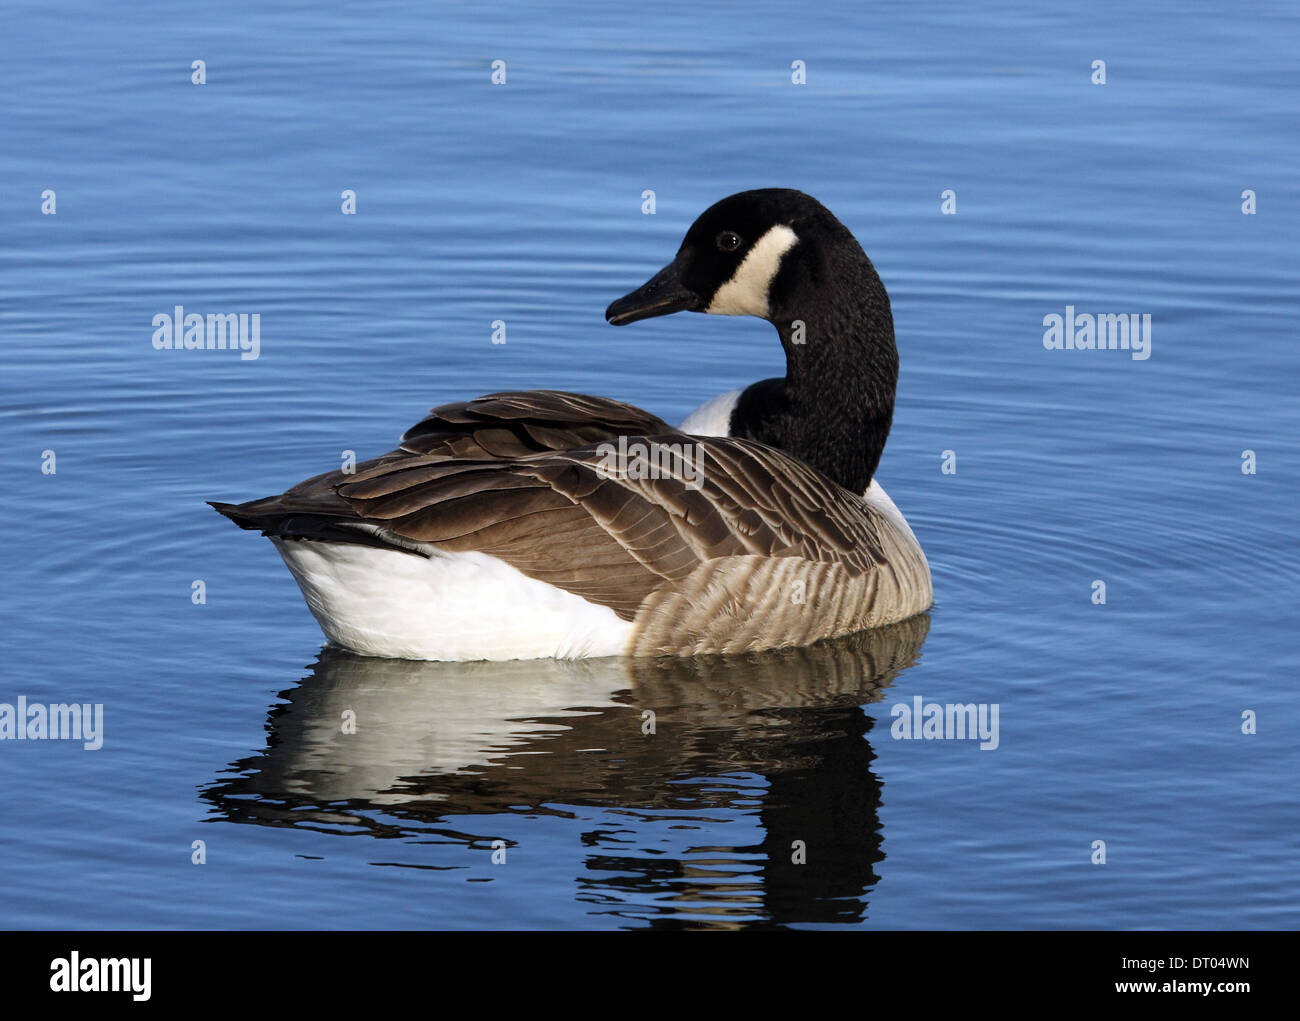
(771, 745)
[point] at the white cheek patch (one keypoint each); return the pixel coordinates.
(745, 294)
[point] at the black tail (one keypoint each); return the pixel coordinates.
(272, 518)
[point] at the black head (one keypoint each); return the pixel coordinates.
(782, 256)
(730, 259)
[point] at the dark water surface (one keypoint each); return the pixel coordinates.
(522, 202)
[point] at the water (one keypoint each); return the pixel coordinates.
(1119, 722)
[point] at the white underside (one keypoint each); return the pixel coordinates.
(448, 606)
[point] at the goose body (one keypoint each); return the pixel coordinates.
(540, 523)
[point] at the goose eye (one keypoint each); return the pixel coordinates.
(728, 241)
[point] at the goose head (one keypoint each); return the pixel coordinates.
(782, 256)
(726, 263)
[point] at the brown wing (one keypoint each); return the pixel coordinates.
(494, 476)
(585, 521)
(516, 423)
(496, 427)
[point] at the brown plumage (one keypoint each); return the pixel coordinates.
(521, 476)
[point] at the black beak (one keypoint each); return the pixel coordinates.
(661, 295)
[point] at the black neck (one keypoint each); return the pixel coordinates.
(834, 408)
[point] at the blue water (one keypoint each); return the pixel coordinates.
(522, 202)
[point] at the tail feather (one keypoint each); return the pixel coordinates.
(275, 517)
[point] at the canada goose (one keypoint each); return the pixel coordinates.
(538, 523)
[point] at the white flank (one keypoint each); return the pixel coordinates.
(712, 418)
(745, 294)
(449, 606)
(876, 497)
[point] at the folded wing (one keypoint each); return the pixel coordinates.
(540, 480)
